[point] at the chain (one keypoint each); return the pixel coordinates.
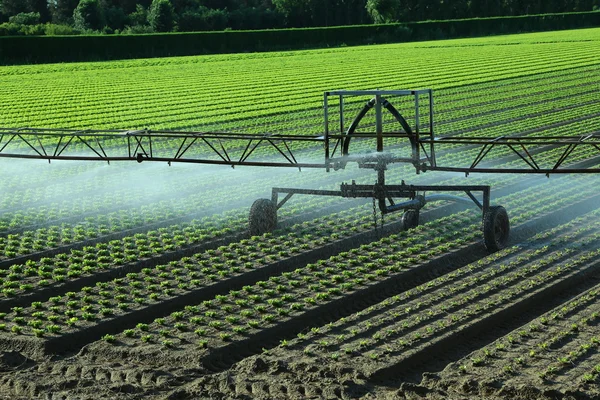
(374, 215)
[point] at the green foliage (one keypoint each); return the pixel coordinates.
(58, 49)
(203, 19)
(296, 12)
(109, 338)
(383, 11)
(130, 16)
(115, 17)
(62, 10)
(139, 17)
(88, 15)
(161, 16)
(31, 18)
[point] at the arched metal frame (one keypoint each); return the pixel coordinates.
(388, 106)
(337, 145)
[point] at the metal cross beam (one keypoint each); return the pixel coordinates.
(526, 149)
(145, 145)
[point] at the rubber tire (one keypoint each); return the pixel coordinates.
(410, 219)
(262, 217)
(496, 228)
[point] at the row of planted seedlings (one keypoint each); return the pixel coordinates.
(32, 275)
(35, 241)
(504, 124)
(131, 253)
(545, 103)
(62, 189)
(144, 113)
(105, 302)
(301, 85)
(146, 108)
(162, 212)
(20, 280)
(305, 292)
(43, 239)
(65, 181)
(30, 242)
(434, 315)
(559, 346)
(95, 200)
(488, 94)
(465, 102)
(46, 213)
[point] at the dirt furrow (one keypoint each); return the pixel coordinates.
(360, 300)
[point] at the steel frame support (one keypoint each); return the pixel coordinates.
(382, 193)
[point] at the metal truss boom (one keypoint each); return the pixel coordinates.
(231, 149)
(238, 149)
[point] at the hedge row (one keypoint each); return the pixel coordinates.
(44, 49)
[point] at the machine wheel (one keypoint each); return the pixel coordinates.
(410, 219)
(263, 217)
(496, 228)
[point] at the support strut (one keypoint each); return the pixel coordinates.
(495, 221)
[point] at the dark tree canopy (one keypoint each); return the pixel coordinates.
(161, 16)
(62, 10)
(383, 11)
(196, 15)
(88, 15)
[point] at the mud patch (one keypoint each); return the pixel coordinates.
(13, 360)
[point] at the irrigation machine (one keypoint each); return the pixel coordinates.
(382, 127)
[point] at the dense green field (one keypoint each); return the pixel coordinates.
(140, 281)
(194, 92)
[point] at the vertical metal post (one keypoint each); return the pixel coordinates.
(486, 201)
(342, 114)
(274, 197)
(326, 117)
(417, 119)
(379, 191)
(378, 122)
(417, 129)
(381, 175)
(431, 146)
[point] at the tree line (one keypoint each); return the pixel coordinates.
(145, 16)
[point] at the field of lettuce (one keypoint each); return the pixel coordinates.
(141, 280)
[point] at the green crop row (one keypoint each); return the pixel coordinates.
(296, 292)
(243, 313)
(150, 102)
